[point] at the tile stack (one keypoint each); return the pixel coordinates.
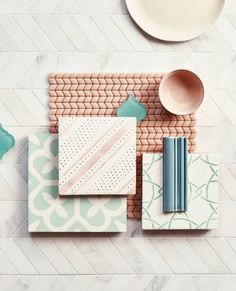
(101, 94)
(80, 179)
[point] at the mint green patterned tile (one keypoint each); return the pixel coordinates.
(49, 212)
(203, 183)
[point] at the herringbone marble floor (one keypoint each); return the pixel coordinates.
(38, 37)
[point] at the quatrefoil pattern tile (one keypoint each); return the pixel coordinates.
(50, 212)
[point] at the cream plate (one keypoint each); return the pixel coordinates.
(174, 20)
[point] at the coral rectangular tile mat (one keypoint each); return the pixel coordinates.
(49, 212)
(100, 94)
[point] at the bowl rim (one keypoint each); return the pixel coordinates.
(167, 75)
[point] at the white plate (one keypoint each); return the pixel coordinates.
(175, 20)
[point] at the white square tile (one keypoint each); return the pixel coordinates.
(97, 156)
(203, 184)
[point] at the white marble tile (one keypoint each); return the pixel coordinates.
(11, 27)
(6, 267)
(199, 44)
(160, 46)
(232, 243)
(215, 40)
(189, 256)
(225, 252)
(44, 6)
(12, 215)
(50, 283)
(196, 282)
(118, 283)
(74, 256)
(182, 47)
(227, 31)
(23, 282)
(210, 114)
(138, 283)
(229, 283)
(176, 283)
(10, 100)
(214, 282)
(227, 221)
(54, 33)
(80, 283)
(213, 140)
(153, 257)
(223, 196)
(138, 41)
(22, 230)
(78, 38)
(229, 7)
(6, 117)
(113, 33)
(225, 103)
(19, 153)
(7, 281)
(6, 44)
(157, 282)
(34, 104)
(94, 256)
(118, 262)
(17, 257)
(13, 184)
(35, 33)
(13, 66)
(97, 38)
(30, 70)
(132, 256)
(24, 5)
(55, 257)
(99, 283)
(35, 256)
(228, 181)
(208, 256)
(171, 256)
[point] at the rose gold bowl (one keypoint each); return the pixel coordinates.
(181, 92)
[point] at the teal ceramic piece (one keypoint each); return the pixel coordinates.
(132, 108)
(175, 168)
(7, 141)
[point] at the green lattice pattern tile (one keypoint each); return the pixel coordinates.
(203, 182)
